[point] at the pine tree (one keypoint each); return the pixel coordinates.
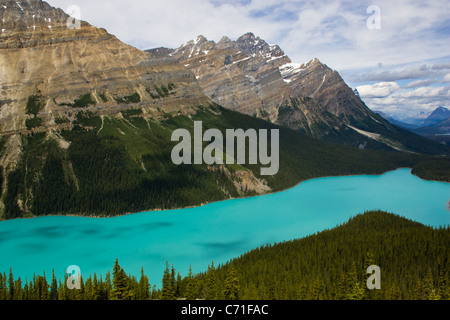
(355, 288)
(167, 291)
(88, 287)
(190, 285)
(26, 291)
(429, 290)
(54, 287)
(19, 294)
(80, 293)
(301, 291)
(231, 290)
(173, 282)
(107, 286)
(120, 283)
(211, 283)
(284, 289)
(179, 291)
(11, 285)
(41, 288)
(3, 287)
(144, 286)
(95, 288)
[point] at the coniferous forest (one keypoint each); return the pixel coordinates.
(331, 265)
(116, 166)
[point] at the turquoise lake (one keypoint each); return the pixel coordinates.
(218, 231)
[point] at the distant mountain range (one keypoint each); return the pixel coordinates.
(435, 126)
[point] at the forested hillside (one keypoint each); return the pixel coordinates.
(109, 166)
(331, 265)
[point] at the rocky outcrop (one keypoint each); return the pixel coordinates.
(244, 75)
(50, 69)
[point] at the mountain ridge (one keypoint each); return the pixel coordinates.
(250, 76)
(86, 123)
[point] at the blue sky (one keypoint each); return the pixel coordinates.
(402, 68)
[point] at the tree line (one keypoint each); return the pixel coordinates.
(330, 265)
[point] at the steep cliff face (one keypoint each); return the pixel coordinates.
(244, 75)
(50, 70)
(250, 76)
(86, 122)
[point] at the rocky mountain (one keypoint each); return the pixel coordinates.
(416, 120)
(436, 116)
(396, 122)
(86, 121)
(435, 126)
(49, 70)
(253, 77)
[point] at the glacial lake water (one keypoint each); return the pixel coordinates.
(218, 231)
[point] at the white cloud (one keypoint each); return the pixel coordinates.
(378, 90)
(415, 71)
(421, 83)
(403, 102)
(334, 31)
(447, 78)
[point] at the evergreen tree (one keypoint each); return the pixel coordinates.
(120, 283)
(231, 291)
(95, 288)
(271, 288)
(211, 283)
(19, 292)
(107, 287)
(144, 286)
(167, 291)
(190, 285)
(3, 287)
(11, 285)
(355, 289)
(429, 290)
(41, 288)
(54, 287)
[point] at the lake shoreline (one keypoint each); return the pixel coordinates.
(207, 203)
(217, 233)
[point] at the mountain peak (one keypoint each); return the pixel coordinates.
(442, 109)
(20, 21)
(247, 36)
(200, 39)
(224, 39)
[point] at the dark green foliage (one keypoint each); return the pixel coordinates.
(61, 120)
(171, 86)
(162, 91)
(103, 97)
(437, 169)
(132, 112)
(88, 120)
(330, 265)
(232, 288)
(414, 262)
(83, 101)
(133, 98)
(33, 123)
(121, 285)
(35, 104)
(168, 284)
(114, 166)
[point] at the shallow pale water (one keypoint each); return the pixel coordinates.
(218, 231)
